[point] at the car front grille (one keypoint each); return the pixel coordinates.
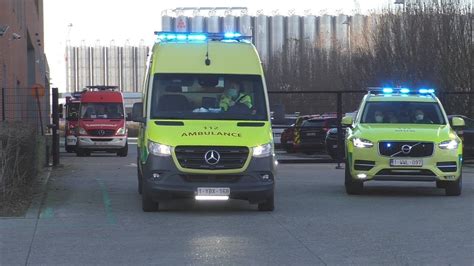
(406, 148)
(101, 132)
(224, 157)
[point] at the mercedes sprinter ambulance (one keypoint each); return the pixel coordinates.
(205, 126)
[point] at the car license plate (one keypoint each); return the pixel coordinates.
(311, 134)
(213, 191)
(334, 146)
(406, 162)
(100, 143)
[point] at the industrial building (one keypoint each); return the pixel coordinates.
(115, 65)
(23, 62)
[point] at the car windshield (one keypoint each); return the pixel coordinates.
(102, 110)
(208, 97)
(403, 113)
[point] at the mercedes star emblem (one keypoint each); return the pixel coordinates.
(101, 132)
(212, 157)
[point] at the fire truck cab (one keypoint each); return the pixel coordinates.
(72, 116)
(102, 122)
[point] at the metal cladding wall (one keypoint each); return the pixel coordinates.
(113, 65)
(71, 77)
(309, 31)
(245, 25)
(342, 24)
(277, 34)
(83, 66)
(358, 28)
(229, 23)
(197, 24)
(167, 23)
(294, 33)
(98, 64)
(326, 32)
(213, 23)
(181, 24)
(261, 37)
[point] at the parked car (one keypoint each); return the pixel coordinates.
(467, 134)
(279, 126)
(313, 133)
(290, 135)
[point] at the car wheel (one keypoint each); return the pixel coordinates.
(454, 188)
(69, 149)
(80, 152)
(353, 187)
(268, 205)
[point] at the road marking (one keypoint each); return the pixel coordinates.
(107, 204)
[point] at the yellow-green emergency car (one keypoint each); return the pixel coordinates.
(402, 135)
(205, 128)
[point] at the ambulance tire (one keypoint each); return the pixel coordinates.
(69, 149)
(268, 205)
(148, 205)
(454, 188)
(353, 187)
(123, 152)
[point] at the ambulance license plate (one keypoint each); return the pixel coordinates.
(406, 162)
(213, 191)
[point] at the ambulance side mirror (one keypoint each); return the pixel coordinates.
(137, 113)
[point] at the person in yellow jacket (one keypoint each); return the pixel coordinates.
(233, 96)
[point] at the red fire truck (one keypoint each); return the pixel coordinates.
(72, 115)
(102, 122)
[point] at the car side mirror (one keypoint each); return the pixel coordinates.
(458, 122)
(347, 121)
(137, 113)
(128, 117)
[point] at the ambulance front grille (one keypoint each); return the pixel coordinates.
(211, 157)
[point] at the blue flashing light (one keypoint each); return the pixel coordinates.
(181, 37)
(426, 91)
(404, 90)
(387, 90)
(232, 35)
(389, 145)
(197, 37)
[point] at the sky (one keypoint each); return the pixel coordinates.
(102, 21)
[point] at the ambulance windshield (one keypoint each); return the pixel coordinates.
(208, 97)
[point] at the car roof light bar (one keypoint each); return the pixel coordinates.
(404, 91)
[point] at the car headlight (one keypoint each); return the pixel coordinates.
(262, 150)
(362, 143)
(121, 131)
(159, 149)
(81, 131)
(449, 145)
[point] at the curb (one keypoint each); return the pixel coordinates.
(37, 201)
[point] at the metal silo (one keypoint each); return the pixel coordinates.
(181, 23)
(71, 73)
(245, 24)
(358, 37)
(166, 22)
(342, 25)
(128, 84)
(309, 30)
(83, 66)
(325, 32)
(213, 24)
(142, 54)
(229, 24)
(197, 22)
(262, 36)
(113, 65)
(98, 64)
(294, 33)
(278, 33)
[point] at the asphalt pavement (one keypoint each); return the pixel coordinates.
(92, 214)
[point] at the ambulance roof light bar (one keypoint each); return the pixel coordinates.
(168, 36)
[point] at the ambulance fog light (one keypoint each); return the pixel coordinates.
(265, 177)
(361, 176)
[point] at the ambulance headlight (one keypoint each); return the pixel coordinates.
(158, 149)
(262, 150)
(121, 131)
(449, 145)
(362, 143)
